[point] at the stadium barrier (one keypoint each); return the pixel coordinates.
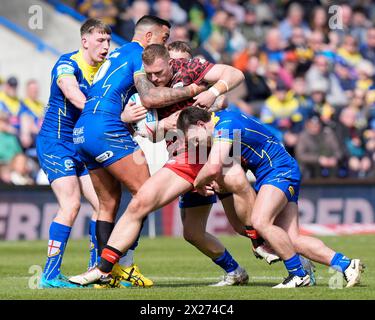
(326, 208)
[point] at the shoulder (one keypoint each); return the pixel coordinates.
(65, 64)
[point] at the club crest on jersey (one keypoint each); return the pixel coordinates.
(104, 156)
(69, 164)
(53, 248)
(291, 191)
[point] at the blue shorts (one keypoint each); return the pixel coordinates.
(287, 178)
(194, 199)
(102, 139)
(59, 158)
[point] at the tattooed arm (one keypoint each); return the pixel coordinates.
(158, 97)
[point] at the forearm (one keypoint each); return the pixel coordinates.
(159, 97)
(76, 97)
(70, 88)
(206, 175)
(224, 79)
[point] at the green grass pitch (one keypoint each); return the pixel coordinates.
(181, 272)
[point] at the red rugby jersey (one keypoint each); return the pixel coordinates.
(185, 72)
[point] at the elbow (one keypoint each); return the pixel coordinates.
(147, 102)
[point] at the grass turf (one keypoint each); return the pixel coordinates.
(181, 272)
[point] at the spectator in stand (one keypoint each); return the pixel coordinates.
(217, 24)
(9, 144)
(365, 73)
(128, 18)
(237, 42)
(272, 50)
(358, 103)
(256, 88)
(272, 74)
(355, 153)
(320, 71)
(236, 9)
(281, 110)
(170, 11)
(368, 48)
(318, 151)
(349, 51)
(104, 10)
(346, 15)
(316, 42)
(212, 50)
(318, 92)
(251, 28)
(370, 149)
(10, 103)
(360, 24)
(299, 48)
(306, 105)
(293, 19)
(20, 171)
(31, 117)
(346, 77)
(179, 32)
(289, 68)
(319, 20)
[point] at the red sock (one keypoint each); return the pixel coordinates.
(256, 239)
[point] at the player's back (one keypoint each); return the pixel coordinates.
(61, 115)
(260, 149)
(114, 83)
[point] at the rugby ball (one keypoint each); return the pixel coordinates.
(146, 127)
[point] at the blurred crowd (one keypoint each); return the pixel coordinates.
(20, 120)
(309, 75)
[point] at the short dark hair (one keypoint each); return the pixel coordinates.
(180, 46)
(154, 51)
(91, 24)
(152, 20)
(190, 116)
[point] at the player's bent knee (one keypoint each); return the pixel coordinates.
(192, 236)
(259, 223)
(138, 206)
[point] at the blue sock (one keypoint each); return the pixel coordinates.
(93, 245)
(294, 266)
(58, 238)
(340, 262)
(226, 262)
(135, 244)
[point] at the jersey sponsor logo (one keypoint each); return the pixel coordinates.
(53, 248)
(69, 165)
(64, 69)
(104, 156)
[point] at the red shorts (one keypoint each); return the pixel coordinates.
(181, 166)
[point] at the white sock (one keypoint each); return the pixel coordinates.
(128, 259)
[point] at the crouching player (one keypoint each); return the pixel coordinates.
(277, 178)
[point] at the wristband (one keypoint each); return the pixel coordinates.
(214, 91)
